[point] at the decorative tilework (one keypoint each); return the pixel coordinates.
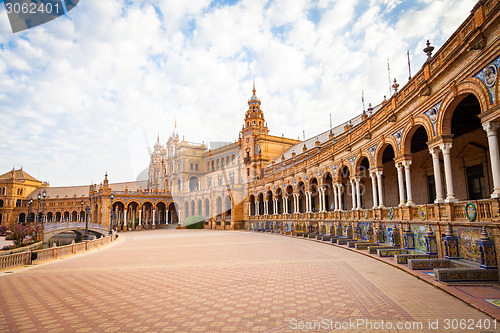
(488, 75)
(397, 136)
(419, 232)
(432, 114)
(372, 153)
(467, 247)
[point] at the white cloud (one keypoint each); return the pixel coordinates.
(83, 96)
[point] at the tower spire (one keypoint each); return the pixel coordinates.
(253, 90)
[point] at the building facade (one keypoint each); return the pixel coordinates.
(427, 156)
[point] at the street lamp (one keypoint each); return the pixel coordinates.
(86, 236)
(81, 210)
(38, 207)
(44, 196)
(30, 202)
(111, 215)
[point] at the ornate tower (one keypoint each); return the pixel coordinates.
(254, 126)
(156, 179)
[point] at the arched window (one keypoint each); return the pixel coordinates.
(218, 164)
(212, 165)
(1, 203)
(227, 160)
(18, 203)
(222, 163)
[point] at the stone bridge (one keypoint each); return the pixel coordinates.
(52, 229)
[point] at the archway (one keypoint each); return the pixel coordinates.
(193, 208)
(365, 186)
(173, 218)
(74, 216)
(161, 213)
(280, 201)
(314, 195)
(132, 214)
(301, 189)
(147, 214)
(390, 187)
(58, 217)
(118, 213)
(421, 167)
(199, 210)
(289, 198)
(346, 188)
(328, 188)
(219, 208)
(469, 153)
(227, 207)
(270, 203)
(251, 211)
(22, 218)
(207, 209)
(261, 204)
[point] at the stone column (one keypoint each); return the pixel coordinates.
(335, 203)
(320, 203)
(401, 184)
(358, 192)
(325, 208)
(256, 208)
(140, 217)
(437, 175)
(380, 189)
(339, 188)
(446, 148)
(125, 218)
(284, 205)
(374, 190)
(409, 197)
(154, 214)
(353, 194)
(491, 131)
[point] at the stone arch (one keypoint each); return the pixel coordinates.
(409, 130)
(310, 181)
(340, 167)
(450, 102)
(379, 151)
(360, 157)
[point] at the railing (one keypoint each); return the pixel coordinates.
(25, 258)
(49, 227)
(487, 210)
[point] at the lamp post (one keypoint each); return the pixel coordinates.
(81, 211)
(30, 202)
(86, 236)
(44, 195)
(39, 196)
(111, 213)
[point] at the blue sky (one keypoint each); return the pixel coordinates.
(86, 95)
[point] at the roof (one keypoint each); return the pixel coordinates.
(19, 175)
(322, 137)
(83, 190)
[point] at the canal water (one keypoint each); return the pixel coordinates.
(64, 238)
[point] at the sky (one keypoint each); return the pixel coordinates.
(89, 92)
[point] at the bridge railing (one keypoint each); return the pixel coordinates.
(49, 227)
(54, 252)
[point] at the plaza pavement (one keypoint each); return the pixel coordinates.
(222, 281)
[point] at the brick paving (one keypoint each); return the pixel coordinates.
(220, 281)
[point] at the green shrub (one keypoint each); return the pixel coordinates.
(193, 222)
(197, 225)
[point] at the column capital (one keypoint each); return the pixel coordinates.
(399, 166)
(373, 175)
(379, 173)
(406, 163)
(445, 147)
(434, 151)
(491, 128)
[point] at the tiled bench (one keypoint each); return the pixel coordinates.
(364, 245)
(312, 235)
(372, 249)
(390, 252)
(325, 238)
(354, 243)
(403, 258)
(465, 274)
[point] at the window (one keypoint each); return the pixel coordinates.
(219, 181)
(196, 166)
(1, 203)
(217, 164)
(212, 165)
(248, 172)
(431, 186)
(233, 159)
(18, 203)
(475, 182)
(222, 163)
(191, 166)
(227, 160)
(209, 182)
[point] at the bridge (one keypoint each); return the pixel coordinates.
(52, 229)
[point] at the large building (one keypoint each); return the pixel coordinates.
(425, 160)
